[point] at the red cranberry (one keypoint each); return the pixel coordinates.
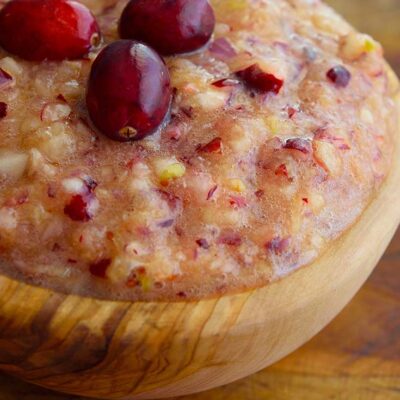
(260, 80)
(129, 91)
(339, 75)
(171, 27)
(36, 30)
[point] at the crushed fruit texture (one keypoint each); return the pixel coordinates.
(251, 177)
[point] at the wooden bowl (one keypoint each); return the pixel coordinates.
(122, 350)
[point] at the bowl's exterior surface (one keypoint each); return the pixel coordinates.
(118, 350)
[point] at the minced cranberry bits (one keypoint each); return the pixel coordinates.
(260, 156)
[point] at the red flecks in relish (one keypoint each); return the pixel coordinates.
(3, 110)
(302, 145)
(339, 75)
(237, 201)
(5, 79)
(278, 245)
(260, 80)
(211, 192)
(170, 27)
(78, 208)
(36, 30)
(282, 171)
(203, 243)
(215, 146)
(225, 83)
(230, 239)
(99, 268)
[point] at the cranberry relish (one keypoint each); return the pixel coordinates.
(272, 150)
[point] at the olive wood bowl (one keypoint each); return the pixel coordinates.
(122, 350)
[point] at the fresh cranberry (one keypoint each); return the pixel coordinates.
(36, 30)
(78, 208)
(170, 27)
(260, 80)
(129, 91)
(339, 75)
(3, 110)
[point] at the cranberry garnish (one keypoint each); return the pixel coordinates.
(78, 209)
(260, 80)
(129, 91)
(36, 30)
(99, 268)
(170, 27)
(302, 145)
(339, 75)
(3, 110)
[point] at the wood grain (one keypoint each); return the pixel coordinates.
(356, 357)
(117, 349)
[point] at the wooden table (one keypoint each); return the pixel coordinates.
(357, 357)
